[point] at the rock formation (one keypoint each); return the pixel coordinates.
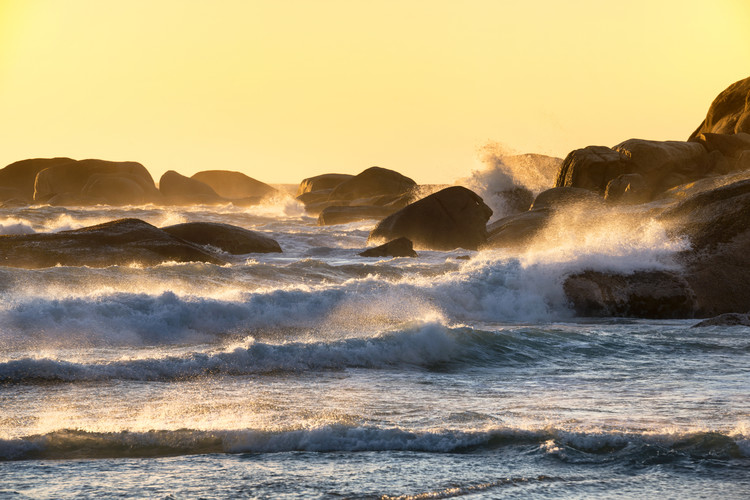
(228, 238)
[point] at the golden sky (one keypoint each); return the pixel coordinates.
(284, 89)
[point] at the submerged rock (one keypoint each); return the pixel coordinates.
(231, 239)
(400, 247)
(642, 294)
(729, 319)
(454, 217)
(119, 242)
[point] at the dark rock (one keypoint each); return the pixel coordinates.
(321, 182)
(234, 185)
(231, 239)
(120, 242)
(105, 182)
(454, 217)
(729, 145)
(592, 168)
(374, 181)
(642, 294)
(559, 197)
(516, 200)
(517, 230)
(20, 176)
(400, 247)
(344, 215)
(729, 113)
(728, 319)
(628, 189)
(180, 190)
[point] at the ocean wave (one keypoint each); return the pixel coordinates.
(72, 443)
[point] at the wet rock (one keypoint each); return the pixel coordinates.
(454, 217)
(17, 179)
(180, 190)
(729, 113)
(373, 182)
(400, 247)
(517, 230)
(729, 319)
(559, 197)
(321, 182)
(629, 189)
(120, 242)
(344, 215)
(642, 294)
(592, 168)
(235, 185)
(231, 239)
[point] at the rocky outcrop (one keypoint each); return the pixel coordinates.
(661, 165)
(642, 294)
(231, 239)
(454, 217)
(517, 230)
(92, 182)
(180, 190)
(235, 185)
(120, 242)
(400, 247)
(729, 113)
(371, 183)
(17, 179)
(728, 319)
(344, 215)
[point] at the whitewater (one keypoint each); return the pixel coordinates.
(317, 373)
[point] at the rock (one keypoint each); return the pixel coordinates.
(234, 185)
(662, 165)
(321, 182)
(517, 230)
(559, 197)
(516, 200)
(106, 182)
(728, 319)
(373, 182)
(729, 145)
(729, 113)
(717, 266)
(400, 247)
(120, 242)
(180, 190)
(642, 294)
(231, 239)
(19, 176)
(629, 189)
(344, 215)
(454, 217)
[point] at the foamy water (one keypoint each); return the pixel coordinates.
(318, 373)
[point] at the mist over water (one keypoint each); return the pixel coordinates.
(472, 377)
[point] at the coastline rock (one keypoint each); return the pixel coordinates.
(96, 182)
(454, 217)
(729, 113)
(642, 294)
(371, 183)
(517, 230)
(180, 190)
(231, 239)
(343, 215)
(592, 168)
(19, 177)
(400, 247)
(321, 182)
(234, 185)
(558, 197)
(729, 319)
(119, 242)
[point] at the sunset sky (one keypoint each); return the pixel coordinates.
(285, 89)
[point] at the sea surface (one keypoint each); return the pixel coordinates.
(316, 373)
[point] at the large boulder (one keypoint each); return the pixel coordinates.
(517, 231)
(17, 179)
(371, 183)
(231, 239)
(642, 294)
(97, 181)
(454, 217)
(400, 247)
(180, 190)
(321, 182)
(120, 242)
(344, 215)
(729, 113)
(233, 185)
(717, 265)
(661, 165)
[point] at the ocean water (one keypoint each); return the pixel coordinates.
(316, 373)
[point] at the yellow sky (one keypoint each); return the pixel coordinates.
(284, 89)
